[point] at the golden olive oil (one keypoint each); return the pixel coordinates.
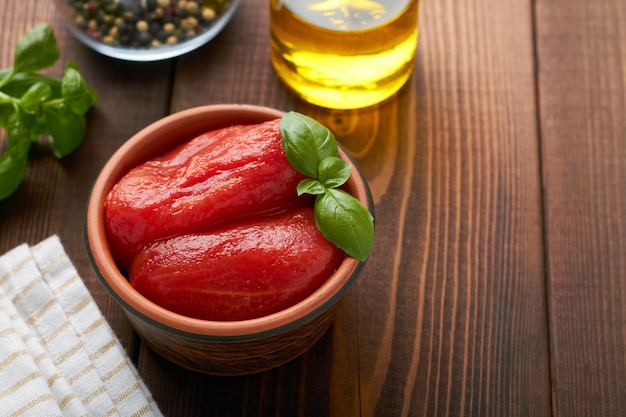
(344, 54)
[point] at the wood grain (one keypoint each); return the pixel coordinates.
(497, 283)
(456, 330)
(582, 51)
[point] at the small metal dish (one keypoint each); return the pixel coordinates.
(145, 30)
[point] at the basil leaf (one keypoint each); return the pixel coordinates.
(334, 172)
(34, 96)
(12, 172)
(310, 186)
(6, 109)
(5, 76)
(13, 161)
(312, 150)
(33, 104)
(306, 142)
(66, 130)
(21, 82)
(345, 222)
(19, 137)
(36, 50)
(75, 91)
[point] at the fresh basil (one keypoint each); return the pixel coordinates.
(36, 50)
(33, 104)
(306, 143)
(333, 172)
(312, 150)
(311, 186)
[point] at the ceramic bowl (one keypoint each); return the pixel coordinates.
(214, 347)
(145, 30)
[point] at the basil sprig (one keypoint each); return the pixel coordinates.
(312, 150)
(33, 104)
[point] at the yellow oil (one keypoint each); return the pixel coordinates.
(344, 54)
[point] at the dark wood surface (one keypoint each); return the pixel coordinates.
(497, 285)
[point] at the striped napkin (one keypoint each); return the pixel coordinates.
(58, 355)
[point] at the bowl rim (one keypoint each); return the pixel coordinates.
(132, 301)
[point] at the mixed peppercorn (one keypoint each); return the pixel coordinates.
(145, 23)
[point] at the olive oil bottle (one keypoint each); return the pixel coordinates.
(344, 54)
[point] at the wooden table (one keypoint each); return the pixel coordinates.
(497, 285)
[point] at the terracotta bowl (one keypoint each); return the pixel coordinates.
(215, 347)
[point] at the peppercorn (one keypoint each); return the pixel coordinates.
(208, 13)
(91, 9)
(142, 26)
(161, 36)
(151, 5)
(145, 23)
(193, 8)
(144, 38)
(188, 24)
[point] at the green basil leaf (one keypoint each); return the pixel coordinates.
(312, 150)
(33, 104)
(34, 96)
(334, 172)
(6, 75)
(310, 186)
(66, 130)
(21, 82)
(12, 172)
(36, 50)
(345, 222)
(72, 82)
(78, 96)
(6, 109)
(306, 142)
(14, 160)
(18, 135)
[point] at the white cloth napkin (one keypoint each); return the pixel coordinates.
(58, 355)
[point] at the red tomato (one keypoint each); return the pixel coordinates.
(218, 176)
(239, 271)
